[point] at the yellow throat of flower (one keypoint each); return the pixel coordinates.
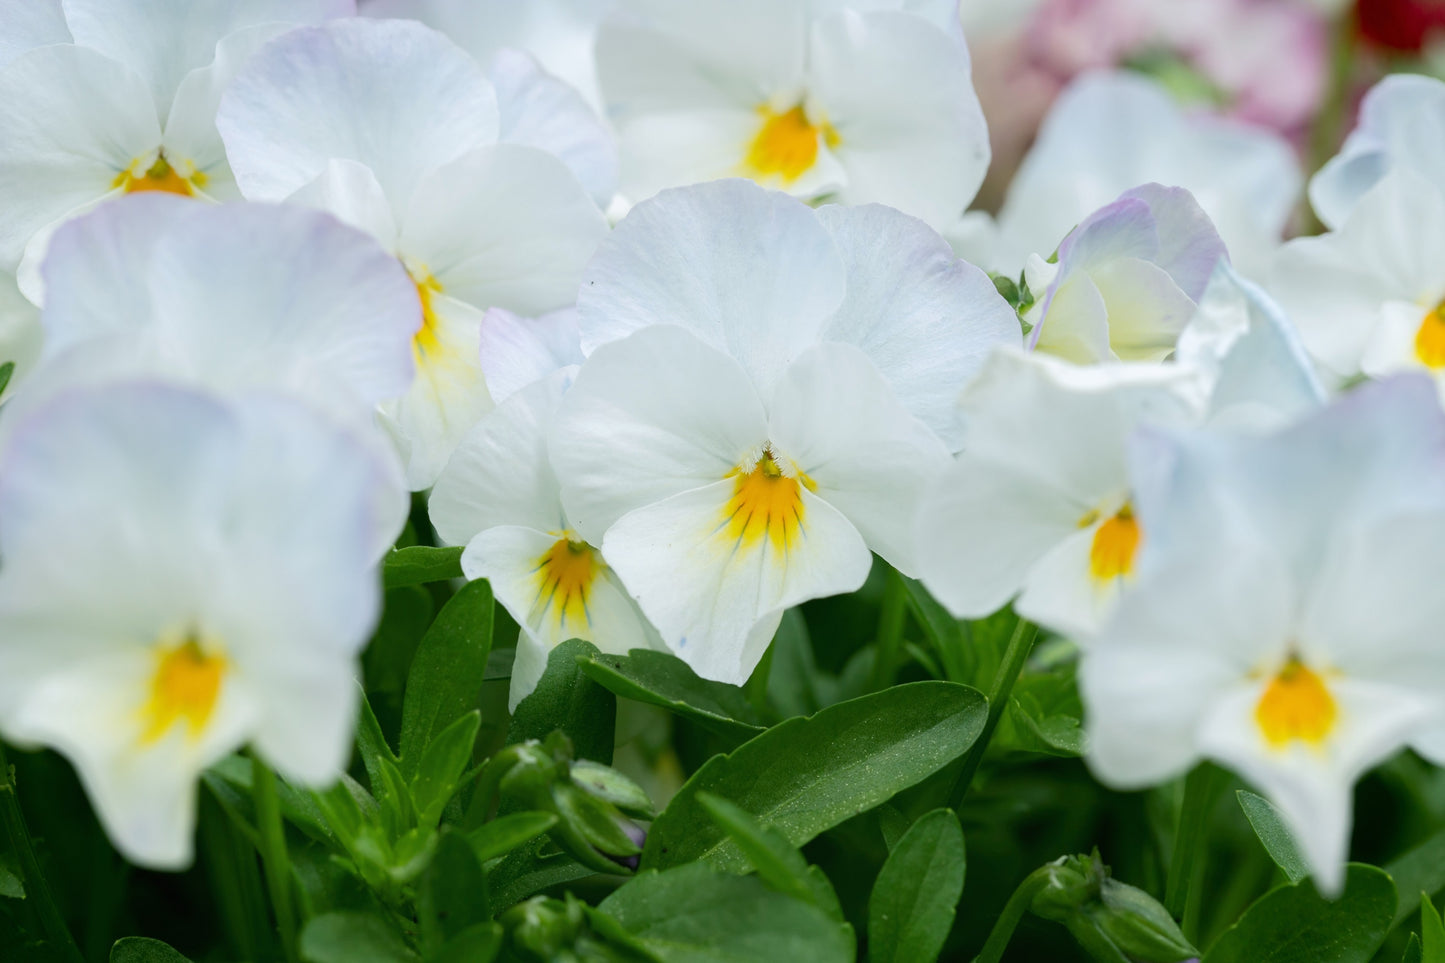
(1296, 707)
(1430, 338)
(786, 146)
(1116, 542)
(184, 688)
(564, 578)
(160, 176)
(767, 502)
(426, 343)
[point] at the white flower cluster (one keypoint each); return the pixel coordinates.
(664, 303)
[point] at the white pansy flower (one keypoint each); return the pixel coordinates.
(1285, 619)
(181, 578)
(129, 106)
(500, 497)
(393, 128)
(1110, 132)
(1370, 296)
(1401, 124)
(1126, 280)
(819, 99)
(1039, 503)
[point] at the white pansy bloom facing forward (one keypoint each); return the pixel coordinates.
(182, 578)
(1126, 280)
(1370, 296)
(818, 99)
(394, 129)
(1039, 504)
(129, 106)
(500, 497)
(1285, 623)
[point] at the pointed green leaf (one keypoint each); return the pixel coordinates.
(1269, 826)
(445, 682)
(354, 938)
(914, 898)
(776, 861)
(453, 893)
(1413, 952)
(477, 944)
(1293, 924)
(139, 949)
(662, 679)
(1432, 933)
(442, 766)
(420, 564)
(506, 833)
(7, 370)
(566, 698)
(807, 775)
(1421, 870)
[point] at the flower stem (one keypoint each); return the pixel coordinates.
(1008, 920)
(274, 857)
(1014, 657)
(1186, 864)
(891, 616)
(37, 891)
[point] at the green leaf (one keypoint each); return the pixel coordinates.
(1432, 933)
(807, 775)
(911, 909)
(477, 944)
(6, 371)
(792, 689)
(445, 681)
(353, 938)
(566, 698)
(442, 766)
(453, 893)
(662, 679)
(1413, 952)
(139, 949)
(10, 884)
(695, 914)
(776, 861)
(420, 564)
(1269, 826)
(506, 833)
(371, 743)
(1421, 870)
(1293, 924)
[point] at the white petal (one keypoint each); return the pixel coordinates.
(538, 110)
(505, 226)
(74, 121)
(1060, 592)
(30, 23)
(835, 416)
(705, 591)
(926, 319)
(651, 416)
(897, 91)
(21, 335)
(518, 351)
(350, 192)
(749, 271)
(392, 95)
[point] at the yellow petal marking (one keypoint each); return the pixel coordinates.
(1115, 543)
(767, 502)
(786, 146)
(184, 687)
(160, 177)
(1296, 706)
(1430, 339)
(427, 341)
(564, 576)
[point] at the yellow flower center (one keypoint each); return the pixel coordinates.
(766, 502)
(185, 686)
(426, 343)
(1430, 339)
(565, 574)
(786, 146)
(1115, 543)
(160, 177)
(1296, 705)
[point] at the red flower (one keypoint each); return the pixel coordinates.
(1400, 24)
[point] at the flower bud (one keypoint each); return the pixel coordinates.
(1113, 921)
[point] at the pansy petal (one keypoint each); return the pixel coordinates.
(30, 23)
(519, 351)
(350, 192)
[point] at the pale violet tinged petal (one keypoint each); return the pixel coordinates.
(350, 192)
(863, 452)
(163, 40)
(1401, 125)
(30, 23)
(905, 123)
(749, 271)
(705, 575)
(75, 121)
(654, 415)
(501, 474)
(518, 351)
(503, 226)
(926, 319)
(538, 110)
(392, 95)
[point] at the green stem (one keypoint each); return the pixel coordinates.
(1013, 911)
(1186, 863)
(274, 857)
(37, 891)
(1014, 657)
(891, 617)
